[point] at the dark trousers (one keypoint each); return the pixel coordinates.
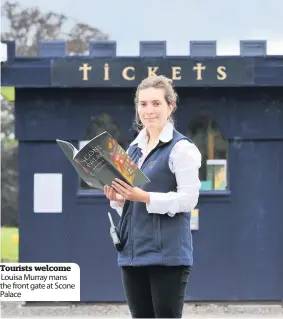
(155, 291)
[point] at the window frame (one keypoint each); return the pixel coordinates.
(210, 123)
(97, 193)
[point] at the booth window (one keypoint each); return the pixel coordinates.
(206, 134)
(98, 124)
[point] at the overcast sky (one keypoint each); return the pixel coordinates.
(177, 21)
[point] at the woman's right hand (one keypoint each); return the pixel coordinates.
(111, 194)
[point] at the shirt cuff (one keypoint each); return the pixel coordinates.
(162, 203)
(114, 205)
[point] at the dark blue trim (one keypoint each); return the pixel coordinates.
(90, 193)
(94, 193)
(215, 193)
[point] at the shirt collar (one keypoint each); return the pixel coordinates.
(165, 136)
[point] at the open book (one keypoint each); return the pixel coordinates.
(102, 160)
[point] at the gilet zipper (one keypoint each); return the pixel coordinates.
(131, 203)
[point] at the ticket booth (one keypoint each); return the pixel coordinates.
(231, 106)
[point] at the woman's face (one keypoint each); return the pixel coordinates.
(153, 109)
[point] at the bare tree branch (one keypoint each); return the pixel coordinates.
(27, 26)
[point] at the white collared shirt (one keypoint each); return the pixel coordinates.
(184, 162)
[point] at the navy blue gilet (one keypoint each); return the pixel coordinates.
(155, 239)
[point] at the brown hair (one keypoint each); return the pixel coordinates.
(157, 82)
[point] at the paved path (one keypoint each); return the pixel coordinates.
(49, 310)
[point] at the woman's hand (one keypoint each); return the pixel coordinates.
(111, 194)
(130, 193)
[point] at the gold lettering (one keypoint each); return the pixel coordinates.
(151, 70)
(106, 72)
(221, 73)
(199, 68)
(85, 68)
(176, 73)
(125, 73)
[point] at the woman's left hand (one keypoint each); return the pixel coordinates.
(134, 194)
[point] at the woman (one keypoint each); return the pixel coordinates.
(157, 254)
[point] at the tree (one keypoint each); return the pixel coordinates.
(9, 172)
(27, 26)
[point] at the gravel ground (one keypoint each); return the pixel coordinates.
(49, 310)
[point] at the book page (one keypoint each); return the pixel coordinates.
(108, 160)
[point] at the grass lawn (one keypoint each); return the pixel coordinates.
(9, 244)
